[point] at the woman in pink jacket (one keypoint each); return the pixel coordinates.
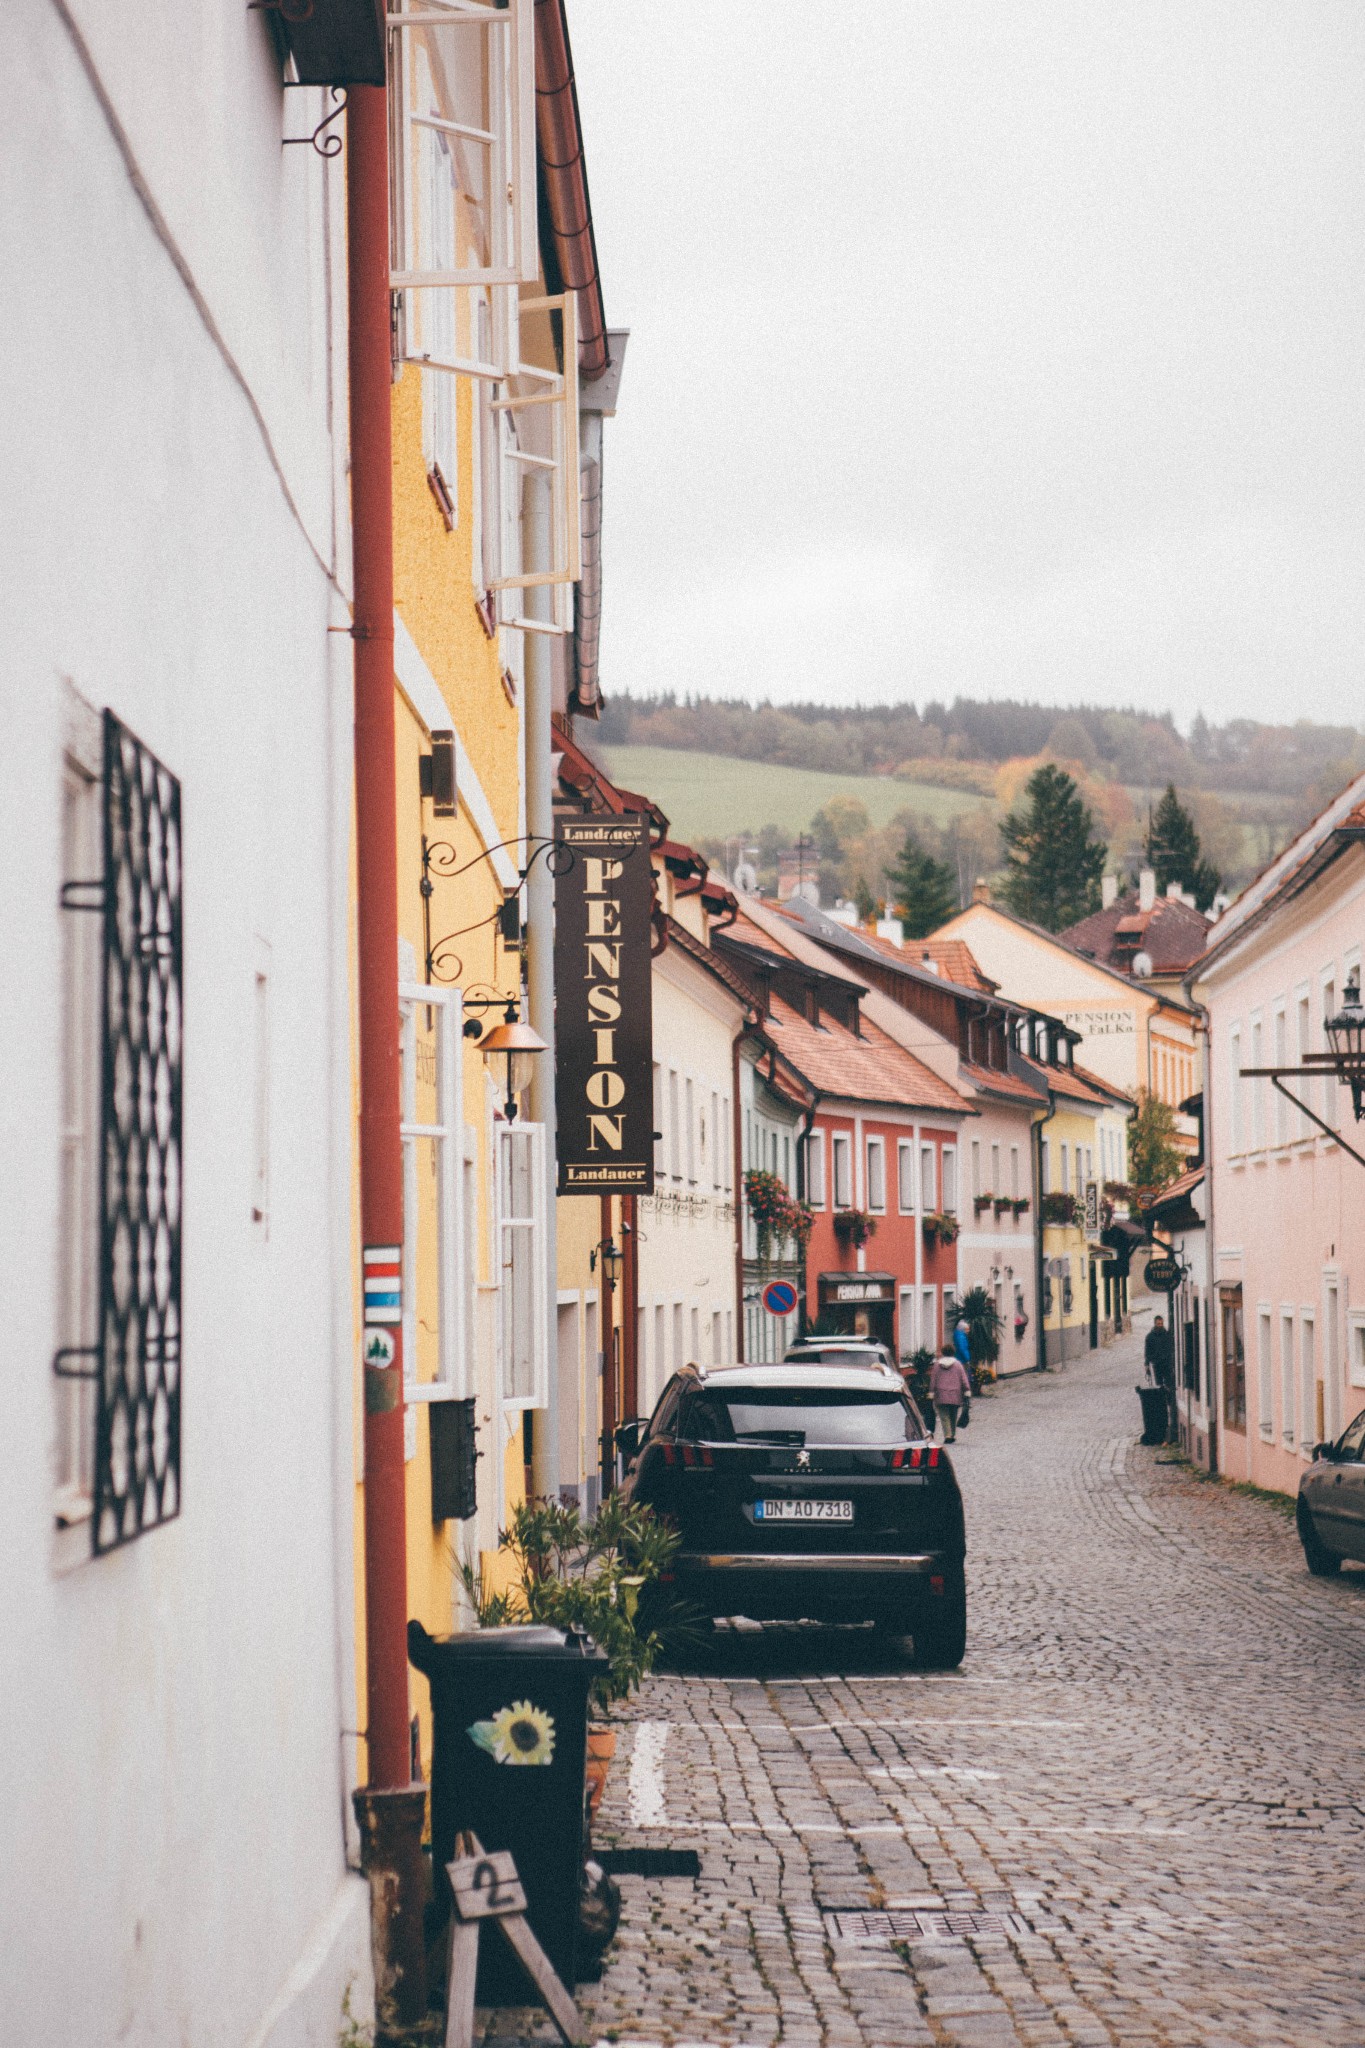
(949, 1387)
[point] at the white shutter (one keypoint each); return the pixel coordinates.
(522, 1309)
(434, 1238)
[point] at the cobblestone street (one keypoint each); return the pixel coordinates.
(1148, 1773)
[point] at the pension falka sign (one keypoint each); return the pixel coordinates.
(604, 1086)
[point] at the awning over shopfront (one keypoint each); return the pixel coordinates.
(855, 1290)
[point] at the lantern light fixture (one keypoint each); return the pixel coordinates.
(1346, 1036)
(516, 1045)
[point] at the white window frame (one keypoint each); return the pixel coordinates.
(928, 1176)
(876, 1149)
(1257, 1134)
(505, 1136)
(453, 1380)
(77, 1028)
(1308, 1375)
(1279, 1041)
(1327, 986)
(948, 1189)
(927, 1334)
(506, 149)
(1355, 1347)
(1014, 1173)
(690, 1127)
(907, 1322)
(905, 1179)
(675, 1160)
(841, 1157)
(815, 1170)
(1303, 1043)
(556, 391)
(1288, 1362)
(1265, 1370)
(1236, 1093)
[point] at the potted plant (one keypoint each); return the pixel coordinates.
(854, 1226)
(979, 1312)
(1002, 1202)
(572, 1573)
(1061, 1208)
(1020, 1205)
(940, 1228)
(981, 1202)
(777, 1214)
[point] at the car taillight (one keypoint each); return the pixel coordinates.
(689, 1455)
(917, 1458)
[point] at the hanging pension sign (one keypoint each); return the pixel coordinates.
(604, 1088)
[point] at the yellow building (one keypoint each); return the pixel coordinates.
(1082, 1297)
(487, 521)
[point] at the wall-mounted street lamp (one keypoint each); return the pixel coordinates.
(512, 1043)
(1346, 1036)
(1344, 1063)
(610, 1256)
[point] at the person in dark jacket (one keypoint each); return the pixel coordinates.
(1159, 1357)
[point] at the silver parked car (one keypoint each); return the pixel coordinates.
(1331, 1504)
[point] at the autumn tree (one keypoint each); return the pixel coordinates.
(923, 890)
(1154, 1158)
(1053, 863)
(1174, 851)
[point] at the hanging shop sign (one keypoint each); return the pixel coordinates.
(604, 1088)
(1163, 1274)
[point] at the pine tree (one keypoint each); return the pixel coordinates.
(924, 890)
(1174, 852)
(1052, 864)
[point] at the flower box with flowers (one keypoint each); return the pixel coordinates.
(1061, 1208)
(777, 1215)
(940, 1228)
(854, 1226)
(980, 1203)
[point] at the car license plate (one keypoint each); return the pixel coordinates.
(803, 1511)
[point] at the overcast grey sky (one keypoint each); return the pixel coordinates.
(984, 346)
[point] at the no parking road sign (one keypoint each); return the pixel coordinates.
(779, 1297)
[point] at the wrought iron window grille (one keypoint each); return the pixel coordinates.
(135, 1360)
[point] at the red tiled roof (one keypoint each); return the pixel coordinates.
(992, 1081)
(872, 1068)
(1173, 933)
(950, 958)
(1084, 1086)
(1185, 1185)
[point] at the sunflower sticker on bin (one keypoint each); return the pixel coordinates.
(519, 1734)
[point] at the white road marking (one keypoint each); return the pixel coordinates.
(646, 1784)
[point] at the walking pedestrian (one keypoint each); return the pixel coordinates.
(949, 1387)
(962, 1342)
(1158, 1355)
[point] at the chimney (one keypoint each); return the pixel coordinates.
(891, 928)
(1174, 893)
(1147, 890)
(981, 892)
(1109, 889)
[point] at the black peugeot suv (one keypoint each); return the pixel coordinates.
(812, 1491)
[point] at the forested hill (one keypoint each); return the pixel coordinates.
(944, 742)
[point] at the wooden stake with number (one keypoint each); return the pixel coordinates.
(487, 1887)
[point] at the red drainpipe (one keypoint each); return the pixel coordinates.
(390, 1808)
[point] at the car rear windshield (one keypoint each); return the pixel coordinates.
(803, 1415)
(823, 1357)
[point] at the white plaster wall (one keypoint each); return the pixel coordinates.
(988, 1242)
(1289, 1219)
(690, 1258)
(174, 1768)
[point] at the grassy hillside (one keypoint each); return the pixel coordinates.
(710, 796)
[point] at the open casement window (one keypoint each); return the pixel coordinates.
(119, 1304)
(539, 481)
(522, 1312)
(436, 1366)
(463, 72)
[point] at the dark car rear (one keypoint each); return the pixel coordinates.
(808, 1491)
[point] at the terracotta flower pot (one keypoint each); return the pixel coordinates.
(601, 1750)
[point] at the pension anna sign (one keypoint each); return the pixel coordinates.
(604, 1088)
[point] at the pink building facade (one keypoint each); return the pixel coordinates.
(1286, 1224)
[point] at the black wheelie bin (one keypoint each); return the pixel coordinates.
(510, 1734)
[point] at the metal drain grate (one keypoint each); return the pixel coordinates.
(923, 1925)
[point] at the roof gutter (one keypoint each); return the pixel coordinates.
(559, 138)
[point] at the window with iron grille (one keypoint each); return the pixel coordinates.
(118, 1354)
